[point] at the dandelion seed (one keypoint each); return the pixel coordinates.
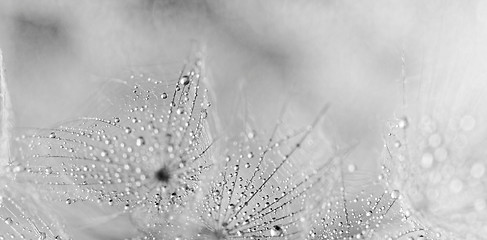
(372, 213)
(262, 196)
(147, 152)
(438, 164)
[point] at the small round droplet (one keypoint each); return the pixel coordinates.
(395, 194)
(251, 134)
(180, 111)
(351, 168)
(42, 236)
(8, 220)
(52, 135)
(403, 123)
(184, 80)
(140, 141)
(164, 95)
(276, 231)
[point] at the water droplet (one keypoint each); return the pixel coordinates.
(251, 134)
(277, 231)
(403, 123)
(395, 194)
(8, 221)
(42, 236)
(351, 168)
(140, 141)
(184, 80)
(180, 111)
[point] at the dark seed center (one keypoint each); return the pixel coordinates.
(163, 175)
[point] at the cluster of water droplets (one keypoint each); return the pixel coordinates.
(259, 187)
(372, 212)
(142, 153)
(441, 170)
(148, 151)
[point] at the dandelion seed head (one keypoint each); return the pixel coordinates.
(260, 189)
(257, 188)
(145, 149)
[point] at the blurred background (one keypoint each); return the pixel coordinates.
(353, 55)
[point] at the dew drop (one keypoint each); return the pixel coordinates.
(184, 80)
(351, 168)
(395, 194)
(403, 123)
(140, 141)
(276, 231)
(8, 221)
(251, 134)
(42, 236)
(180, 111)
